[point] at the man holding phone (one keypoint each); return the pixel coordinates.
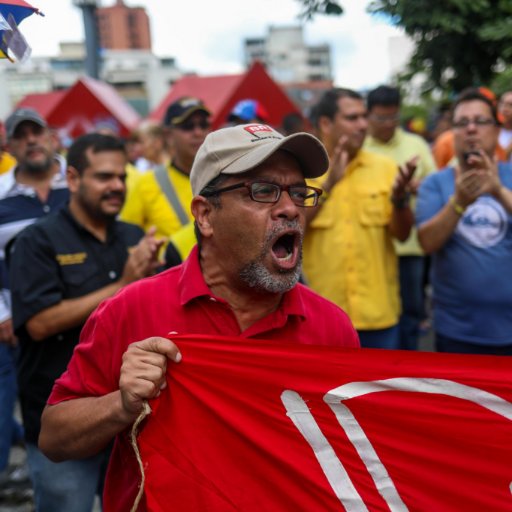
(464, 220)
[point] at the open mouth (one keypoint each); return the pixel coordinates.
(285, 249)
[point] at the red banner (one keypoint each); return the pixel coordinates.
(254, 426)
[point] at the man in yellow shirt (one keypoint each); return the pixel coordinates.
(349, 256)
(387, 138)
(161, 198)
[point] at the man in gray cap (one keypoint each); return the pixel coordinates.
(30, 141)
(250, 198)
(32, 189)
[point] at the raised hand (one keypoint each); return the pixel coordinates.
(338, 165)
(404, 178)
(143, 259)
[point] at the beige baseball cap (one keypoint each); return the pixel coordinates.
(239, 149)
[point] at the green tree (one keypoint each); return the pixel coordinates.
(313, 7)
(458, 43)
(503, 82)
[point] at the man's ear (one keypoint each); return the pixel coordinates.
(324, 125)
(73, 178)
(202, 211)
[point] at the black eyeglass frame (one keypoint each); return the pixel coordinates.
(317, 192)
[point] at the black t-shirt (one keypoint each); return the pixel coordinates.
(55, 259)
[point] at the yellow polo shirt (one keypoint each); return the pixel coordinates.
(146, 205)
(348, 252)
(184, 240)
(401, 148)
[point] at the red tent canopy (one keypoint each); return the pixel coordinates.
(221, 93)
(88, 105)
(44, 103)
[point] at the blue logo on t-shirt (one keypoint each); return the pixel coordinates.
(484, 223)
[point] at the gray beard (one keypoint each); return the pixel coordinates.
(257, 276)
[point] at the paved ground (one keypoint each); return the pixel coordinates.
(17, 497)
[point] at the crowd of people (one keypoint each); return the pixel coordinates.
(325, 230)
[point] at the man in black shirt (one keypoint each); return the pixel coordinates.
(61, 268)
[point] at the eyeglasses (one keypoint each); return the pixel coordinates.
(479, 121)
(190, 126)
(264, 192)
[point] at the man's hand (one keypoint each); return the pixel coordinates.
(467, 187)
(143, 371)
(490, 182)
(481, 178)
(143, 259)
(7, 333)
(338, 165)
(402, 184)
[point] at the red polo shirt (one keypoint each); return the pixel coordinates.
(179, 300)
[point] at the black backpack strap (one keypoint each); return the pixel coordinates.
(168, 189)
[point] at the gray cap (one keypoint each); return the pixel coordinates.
(238, 149)
(19, 116)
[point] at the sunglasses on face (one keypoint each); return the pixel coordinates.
(190, 126)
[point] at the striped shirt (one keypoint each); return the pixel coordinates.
(20, 206)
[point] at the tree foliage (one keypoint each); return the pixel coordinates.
(503, 82)
(312, 7)
(458, 43)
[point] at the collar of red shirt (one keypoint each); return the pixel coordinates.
(193, 286)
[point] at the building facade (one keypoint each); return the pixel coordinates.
(139, 76)
(287, 58)
(123, 28)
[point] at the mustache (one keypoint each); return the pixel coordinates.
(113, 195)
(35, 147)
(284, 227)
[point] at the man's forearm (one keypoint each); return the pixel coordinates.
(67, 314)
(504, 196)
(402, 220)
(80, 428)
(434, 233)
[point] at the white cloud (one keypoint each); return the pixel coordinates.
(207, 36)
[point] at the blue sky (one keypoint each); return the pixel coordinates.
(208, 40)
